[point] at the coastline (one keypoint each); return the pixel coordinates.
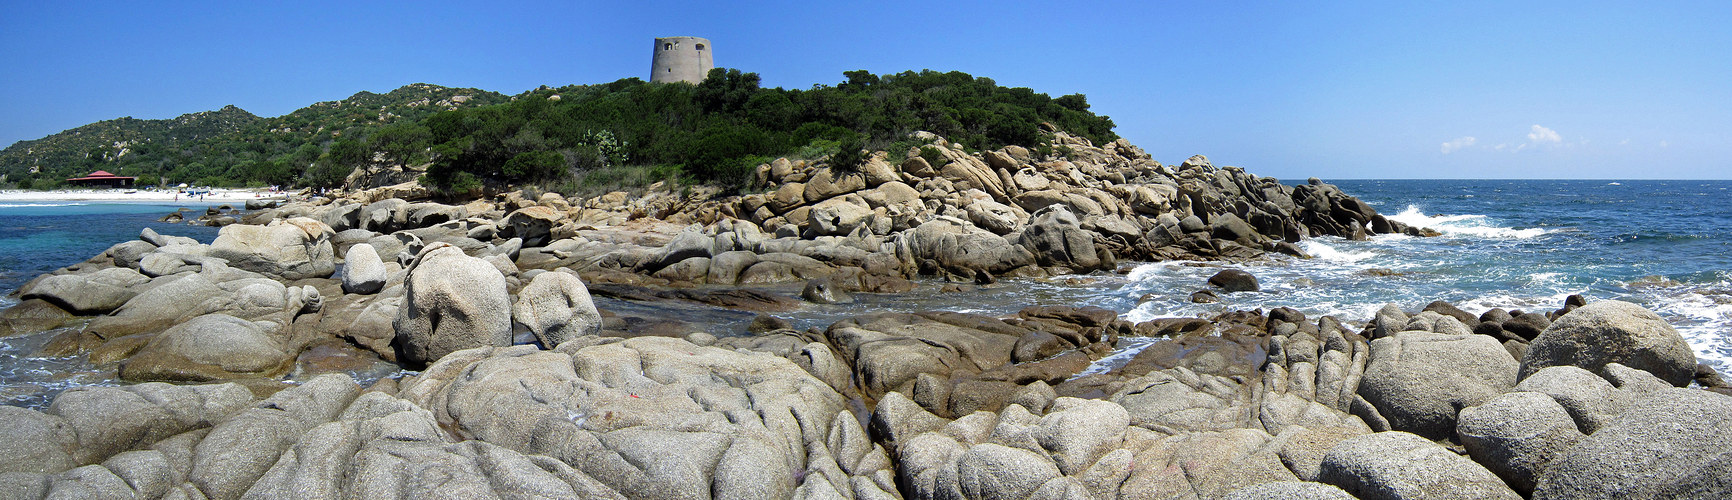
(418, 329)
(136, 196)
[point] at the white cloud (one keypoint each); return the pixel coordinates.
(1664, 144)
(1458, 144)
(1542, 135)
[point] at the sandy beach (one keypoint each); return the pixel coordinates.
(126, 195)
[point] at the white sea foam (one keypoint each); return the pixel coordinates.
(1323, 251)
(1127, 348)
(1703, 318)
(23, 205)
(1462, 225)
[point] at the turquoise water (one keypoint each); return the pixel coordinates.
(38, 237)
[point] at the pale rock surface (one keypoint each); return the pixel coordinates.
(452, 302)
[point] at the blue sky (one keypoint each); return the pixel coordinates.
(1343, 90)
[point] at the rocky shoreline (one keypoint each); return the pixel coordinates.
(526, 389)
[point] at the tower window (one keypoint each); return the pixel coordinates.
(700, 46)
(667, 46)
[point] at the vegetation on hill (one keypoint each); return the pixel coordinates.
(712, 132)
(227, 147)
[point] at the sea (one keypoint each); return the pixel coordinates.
(1512, 244)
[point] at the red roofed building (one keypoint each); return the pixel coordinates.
(101, 178)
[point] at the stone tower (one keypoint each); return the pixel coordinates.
(681, 59)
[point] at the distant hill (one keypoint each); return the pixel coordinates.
(112, 142)
(229, 146)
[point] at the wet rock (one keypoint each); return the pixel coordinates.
(1527, 326)
(452, 302)
(31, 316)
(1611, 331)
(825, 292)
(1234, 280)
(1448, 309)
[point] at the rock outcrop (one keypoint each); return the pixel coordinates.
(1611, 331)
(600, 399)
(290, 249)
(452, 302)
(556, 307)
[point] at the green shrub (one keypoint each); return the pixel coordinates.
(849, 155)
(933, 156)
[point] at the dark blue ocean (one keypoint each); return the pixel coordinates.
(1515, 244)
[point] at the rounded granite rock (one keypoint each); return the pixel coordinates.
(1399, 465)
(1611, 331)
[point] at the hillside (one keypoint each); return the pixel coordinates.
(229, 146)
(121, 141)
(715, 132)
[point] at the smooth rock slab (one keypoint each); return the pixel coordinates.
(91, 293)
(209, 347)
(1399, 465)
